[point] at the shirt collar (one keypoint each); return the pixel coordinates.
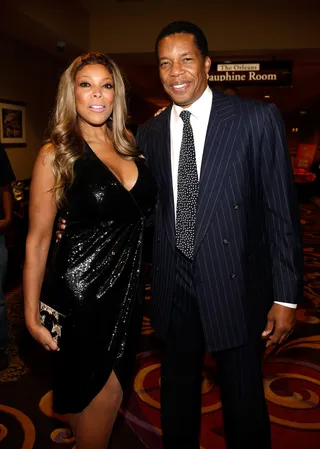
(200, 109)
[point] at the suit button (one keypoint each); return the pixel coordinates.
(236, 206)
(225, 241)
(233, 276)
(157, 270)
(158, 240)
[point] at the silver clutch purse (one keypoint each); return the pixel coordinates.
(52, 320)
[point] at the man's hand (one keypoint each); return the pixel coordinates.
(61, 227)
(281, 321)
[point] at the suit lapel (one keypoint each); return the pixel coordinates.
(219, 148)
(162, 162)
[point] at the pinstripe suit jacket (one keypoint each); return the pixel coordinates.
(247, 242)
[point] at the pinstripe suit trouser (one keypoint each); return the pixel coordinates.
(246, 420)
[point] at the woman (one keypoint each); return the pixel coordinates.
(89, 172)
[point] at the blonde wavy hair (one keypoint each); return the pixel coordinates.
(65, 137)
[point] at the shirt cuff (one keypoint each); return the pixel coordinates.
(286, 304)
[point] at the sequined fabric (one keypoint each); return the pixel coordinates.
(94, 279)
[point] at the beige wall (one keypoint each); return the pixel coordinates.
(117, 26)
(31, 76)
(132, 26)
(66, 20)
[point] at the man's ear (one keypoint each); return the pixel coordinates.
(207, 64)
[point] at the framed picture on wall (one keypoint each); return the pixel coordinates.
(12, 123)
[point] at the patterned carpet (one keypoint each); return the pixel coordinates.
(291, 373)
(291, 376)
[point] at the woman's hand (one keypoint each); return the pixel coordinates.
(159, 111)
(43, 336)
(61, 226)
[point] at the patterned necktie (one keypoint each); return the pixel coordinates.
(188, 187)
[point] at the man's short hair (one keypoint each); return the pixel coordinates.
(187, 28)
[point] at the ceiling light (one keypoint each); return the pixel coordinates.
(267, 96)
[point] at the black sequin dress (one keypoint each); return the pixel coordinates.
(95, 279)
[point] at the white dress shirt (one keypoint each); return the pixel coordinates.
(200, 113)
(199, 119)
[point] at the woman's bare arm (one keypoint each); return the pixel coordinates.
(42, 213)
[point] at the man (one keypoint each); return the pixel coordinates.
(6, 206)
(227, 260)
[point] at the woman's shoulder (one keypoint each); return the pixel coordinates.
(47, 153)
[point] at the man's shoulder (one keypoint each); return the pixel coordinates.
(148, 124)
(249, 109)
(153, 124)
(255, 115)
(248, 105)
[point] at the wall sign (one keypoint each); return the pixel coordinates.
(277, 73)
